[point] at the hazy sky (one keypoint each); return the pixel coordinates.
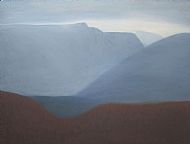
(165, 17)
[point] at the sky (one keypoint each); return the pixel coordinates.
(164, 17)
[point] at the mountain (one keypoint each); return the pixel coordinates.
(66, 106)
(161, 72)
(24, 121)
(57, 60)
(148, 38)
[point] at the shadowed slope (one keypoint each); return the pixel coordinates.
(24, 121)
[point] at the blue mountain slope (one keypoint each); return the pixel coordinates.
(160, 72)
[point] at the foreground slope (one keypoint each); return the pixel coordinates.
(161, 72)
(57, 60)
(167, 123)
(24, 121)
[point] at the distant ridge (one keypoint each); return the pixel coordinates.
(148, 38)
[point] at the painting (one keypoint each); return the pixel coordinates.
(94, 72)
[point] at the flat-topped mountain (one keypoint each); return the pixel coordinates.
(58, 60)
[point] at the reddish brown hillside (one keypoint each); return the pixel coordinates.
(167, 123)
(24, 121)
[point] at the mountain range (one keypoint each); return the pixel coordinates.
(158, 73)
(59, 60)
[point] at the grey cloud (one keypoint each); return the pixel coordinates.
(176, 11)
